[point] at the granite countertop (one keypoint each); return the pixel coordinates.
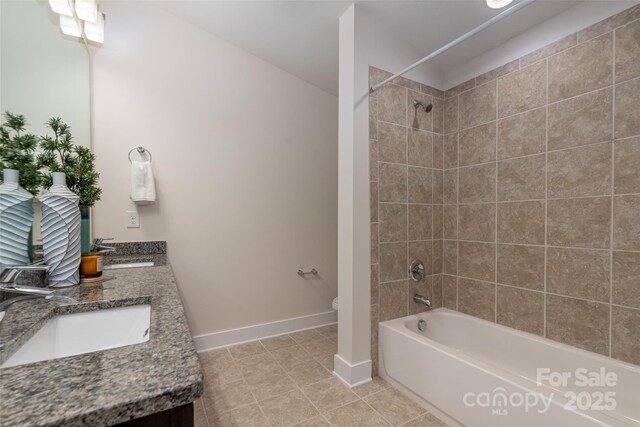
(105, 387)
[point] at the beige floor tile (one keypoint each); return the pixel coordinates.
(290, 356)
(329, 394)
(329, 331)
(304, 336)
(244, 350)
(356, 414)
(326, 360)
(318, 421)
(377, 384)
(426, 420)
(276, 343)
(199, 417)
(219, 398)
(246, 416)
(288, 409)
(212, 356)
(270, 384)
(224, 370)
(257, 364)
(320, 346)
(308, 372)
(393, 406)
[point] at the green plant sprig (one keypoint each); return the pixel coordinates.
(17, 151)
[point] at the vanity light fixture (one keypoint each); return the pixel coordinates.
(62, 7)
(87, 10)
(70, 26)
(80, 18)
(498, 4)
(95, 31)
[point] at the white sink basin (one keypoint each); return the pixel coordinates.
(79, 333)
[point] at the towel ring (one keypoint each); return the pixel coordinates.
(141, 150)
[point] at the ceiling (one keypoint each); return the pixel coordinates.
(301, 37)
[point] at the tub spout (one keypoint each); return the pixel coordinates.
(422, 300)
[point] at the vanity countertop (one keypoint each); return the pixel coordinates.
(105, 387)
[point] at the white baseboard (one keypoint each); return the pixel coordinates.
(255, 332)
(351, 375)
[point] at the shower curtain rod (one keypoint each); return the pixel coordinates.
(455, 42)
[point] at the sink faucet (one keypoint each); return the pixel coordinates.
(419, 299)
(8, 276)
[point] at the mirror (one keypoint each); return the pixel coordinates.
(43, 74)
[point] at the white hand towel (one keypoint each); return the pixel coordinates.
(143, 186)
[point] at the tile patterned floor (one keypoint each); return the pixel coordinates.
(287, 381)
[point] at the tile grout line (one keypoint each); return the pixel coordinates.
(613, 174)
(495, 204)
(546, 200)
(457, 187)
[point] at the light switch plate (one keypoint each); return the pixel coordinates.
(132, 219)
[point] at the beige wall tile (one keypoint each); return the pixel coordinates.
(522, 178)
(477, 106)
(450, 186)
(627, 118)
(583, 171)
(438, 151)
(420, 185)
(451, 115)
(450, 226)
(522, 90)
(392, 104)
(478, 144)
(375, 313)
(450, 292)
(550, 49)
(521, 222)
(581, 223)
(393, 300)
(478, 184)
(438, 224)
(477, 222)
(627, 159)
(373, 201)
(393, 222)
(625, 334)
(520, 309)
(626, 223)
(626, 279)
(582, 120)
(373, 117)
(583, 324)
(628, 51)
(373, 237)
(418, 118)
(420, 148)
(393, 183)
(436, 290)
(580, 273)
(392, 143)
(375, 280)
(507, 68)
(438, 186)
(521, 266)
(522, 134)
(422, 251)
(376, 75)
(450, 257)
(462, 87)
(451, 150)
(477, 298)
(609, 24)
(420, 222)
(583, 68)
(438, 114)
(477, 260)
(438, 255)
(393, 261)
(373, 160)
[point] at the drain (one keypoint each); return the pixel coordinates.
(422, 325)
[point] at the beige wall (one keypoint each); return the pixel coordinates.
(245, 157)
(406, 197)
(542, 191)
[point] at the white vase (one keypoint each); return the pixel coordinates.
(16, 219)
(61, 233)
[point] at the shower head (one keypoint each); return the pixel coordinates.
(426, 107)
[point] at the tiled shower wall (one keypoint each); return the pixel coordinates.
(542, 191)
(406, 197)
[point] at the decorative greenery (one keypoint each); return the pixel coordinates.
(76, 162)
(17, 151)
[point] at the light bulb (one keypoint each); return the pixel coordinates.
(498, 4)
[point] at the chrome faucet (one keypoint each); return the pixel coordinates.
(419, 299)
(8, 276)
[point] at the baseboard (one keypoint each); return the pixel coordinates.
(351, 375)
(255, 332)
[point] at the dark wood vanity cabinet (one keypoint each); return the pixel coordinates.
(182, 416)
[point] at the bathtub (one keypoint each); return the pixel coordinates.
(473, 372)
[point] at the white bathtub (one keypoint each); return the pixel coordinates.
(476, 373)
